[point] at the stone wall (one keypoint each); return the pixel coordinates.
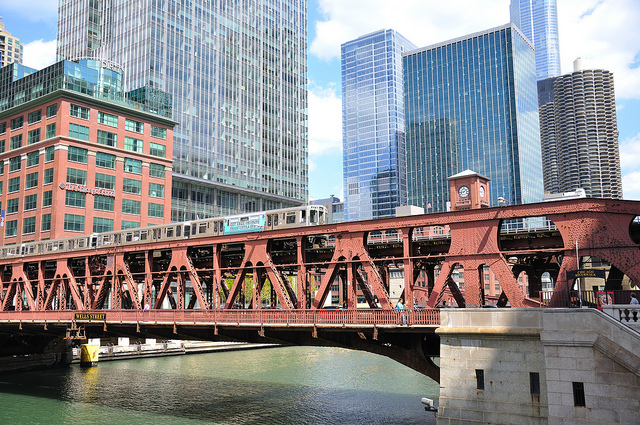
(555, 347)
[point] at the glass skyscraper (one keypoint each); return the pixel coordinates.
(373, 125)
(538, 21)
(237, 73)
(471, 103)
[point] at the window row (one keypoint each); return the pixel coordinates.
(111, 139)
(72, 223)
(33, 136)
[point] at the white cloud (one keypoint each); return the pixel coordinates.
(631, 186)
(604, 31)
(325, 117)
(630, 165)
(39, 53)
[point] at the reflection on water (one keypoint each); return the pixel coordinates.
(289, 385)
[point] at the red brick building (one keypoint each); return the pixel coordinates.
(72, 163)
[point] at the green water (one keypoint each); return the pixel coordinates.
(288, 385)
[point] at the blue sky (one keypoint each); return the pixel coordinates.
(605, 32)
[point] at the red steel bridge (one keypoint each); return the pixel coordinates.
(193, 286)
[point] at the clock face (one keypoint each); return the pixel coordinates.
(482, 191)
(463, 191)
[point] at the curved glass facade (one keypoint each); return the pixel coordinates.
(373, 125)
(538, 21)
(471, 103)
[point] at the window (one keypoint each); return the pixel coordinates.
(30, 202)
(130, 206)
(103, 203)
(79, 112)
(3, 128)
(14, 185)
(76, 176)
(15, 163)
(132, 125)
(156, 170)
(106, 138)
(2, 143)
(33, 158)
(33, 136)
(31, 180)
(46, 222)
(102, 224)
(49, 153)
(17, 123)
(156, 210)
(75, 199)
(47, 197)
(156, 190)
(77, 154)
(48, 176)
(28, 225)
(534, 383)
(133, 145)
(79, 132)
(13, 205)
(133, 165)
(107, 119)
(480, 379)
(158, 132)
(52, 110)
(130, 224)
(74, 223)
(16, 142)
(35, 116)
(105, 160)
(51, 130)
(105, 181)
(1, 188)
(131, 186)
(12, 228)
(157, 149)
(578, 394)
(1, 167)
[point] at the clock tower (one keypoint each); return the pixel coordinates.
(468, 190)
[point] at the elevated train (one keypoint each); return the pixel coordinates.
(308, 215)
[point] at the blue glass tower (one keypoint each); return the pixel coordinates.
(471, 103)
(373, 125)
(538, 21)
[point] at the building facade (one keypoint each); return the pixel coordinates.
(237, 75)
(373, 125)
(10, 48)
(538, 21)
(471, 103)
(585, 145)
(75, 157)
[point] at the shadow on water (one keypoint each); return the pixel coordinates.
(226, 388)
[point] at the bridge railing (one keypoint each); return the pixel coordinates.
(277, 317)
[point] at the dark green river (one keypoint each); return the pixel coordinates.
(288, 385)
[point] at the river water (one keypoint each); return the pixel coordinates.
(285, 385)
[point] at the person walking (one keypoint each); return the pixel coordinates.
(400, 311)
(634, 299)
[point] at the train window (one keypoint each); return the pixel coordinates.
(313, 219)
(81, 243)
(169, 232)
(291, 218)
(303, 216)
(143, 235)
(275, 219)
(215, 227)
(268, 221)
(187, 231)
(202, 228)
(155, 233)
(178, 230)
(60, 246)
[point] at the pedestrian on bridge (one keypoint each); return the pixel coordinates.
(400, 310)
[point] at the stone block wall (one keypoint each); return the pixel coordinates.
(562, 346)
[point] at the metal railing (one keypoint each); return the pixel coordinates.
(338, 317)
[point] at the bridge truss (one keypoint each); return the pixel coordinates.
(299, 266)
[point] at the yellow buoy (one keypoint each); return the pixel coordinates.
(89, 355)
